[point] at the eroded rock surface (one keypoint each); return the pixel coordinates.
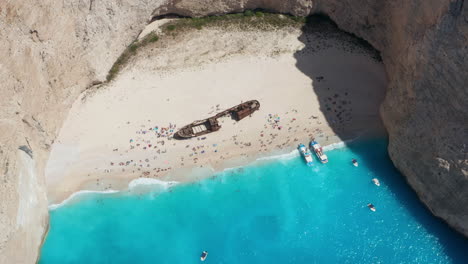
(424, 46)
(50, 52)
(53, 50)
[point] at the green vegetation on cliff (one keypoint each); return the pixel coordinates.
(249, 20)
(129, 52)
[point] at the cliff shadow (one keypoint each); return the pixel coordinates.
(349, 80)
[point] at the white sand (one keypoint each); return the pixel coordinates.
(182, 80)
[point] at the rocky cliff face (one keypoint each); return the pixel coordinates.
(52, 52)
(424, 46)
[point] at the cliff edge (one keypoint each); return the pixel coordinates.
(53, 51)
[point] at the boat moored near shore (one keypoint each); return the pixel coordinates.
(318, 151)
(306, 154)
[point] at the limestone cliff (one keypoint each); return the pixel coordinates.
(51, 51)
(424, 46)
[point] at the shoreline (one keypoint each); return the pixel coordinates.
(149, 184)
(123, 130)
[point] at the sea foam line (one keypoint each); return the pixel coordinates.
(336, 145)
(166, 184)
(289, 155)
(76, 194)
(149, 181)
(293, 154)
(133, 184)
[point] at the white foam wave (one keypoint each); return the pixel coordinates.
(76, 195)
(336, 145)
(132, 185)
(340, 144)
(233, 168)
(293, 154)
(148, 181)
(166, 184)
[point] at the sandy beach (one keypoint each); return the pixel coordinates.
(307, 85)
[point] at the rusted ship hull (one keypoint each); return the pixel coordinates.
(205, 126)
(198, 128)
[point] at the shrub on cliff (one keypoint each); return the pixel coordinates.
(248, 13)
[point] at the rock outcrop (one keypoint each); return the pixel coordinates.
(424, 46)
(52, 51)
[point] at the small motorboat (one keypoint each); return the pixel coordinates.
(376, 181)
(318, 151)
(203, 256)
(355, 163)
(306, 154)
(371, 207)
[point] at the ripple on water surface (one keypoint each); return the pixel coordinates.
(275, 211)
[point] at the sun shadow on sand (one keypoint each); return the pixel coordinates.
(349, 81)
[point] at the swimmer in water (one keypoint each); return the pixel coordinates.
(371, 207)
(376, 181)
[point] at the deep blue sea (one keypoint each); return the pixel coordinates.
(276, 211)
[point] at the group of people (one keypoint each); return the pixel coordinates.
(274, 121)
(167, 132)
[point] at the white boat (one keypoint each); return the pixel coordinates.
(318, 151)
(376, 181)
(355, 163)
(203, 256)
(306, 154)
(371, 207)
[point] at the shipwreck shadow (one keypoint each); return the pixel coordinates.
(345, 102)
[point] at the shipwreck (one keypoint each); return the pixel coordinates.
(208, 125)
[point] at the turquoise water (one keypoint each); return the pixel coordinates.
(280, 211)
